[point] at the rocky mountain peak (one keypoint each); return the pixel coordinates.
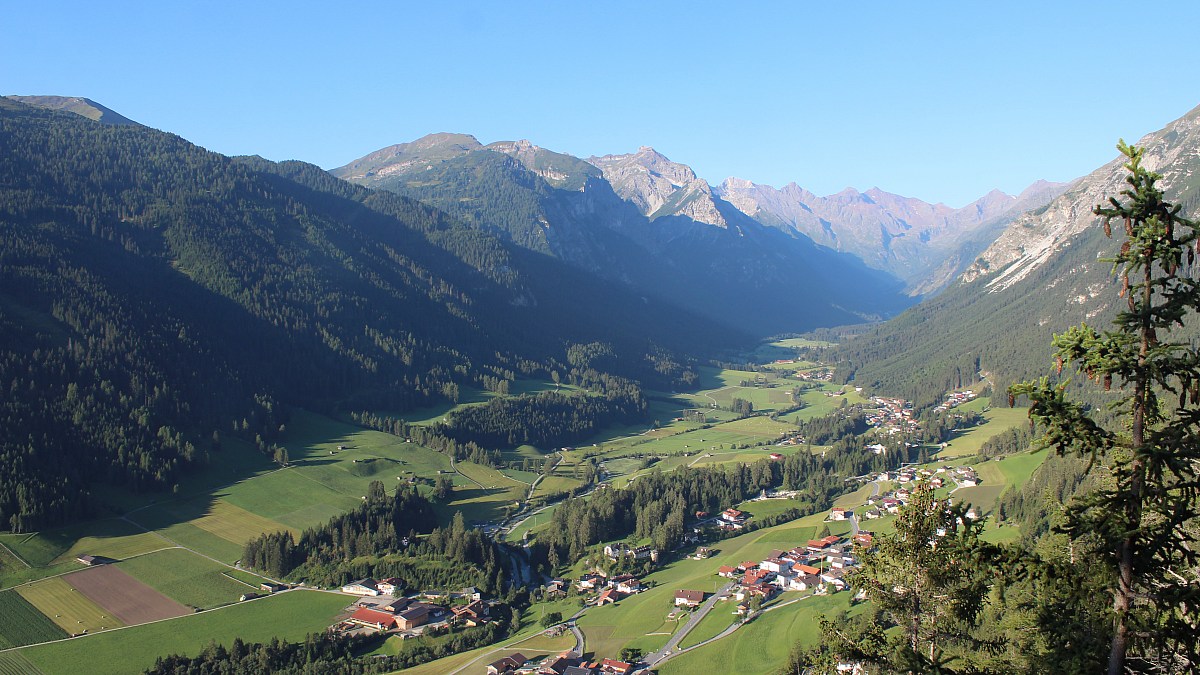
(1033, 239)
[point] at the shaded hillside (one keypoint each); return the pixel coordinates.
(155, 296)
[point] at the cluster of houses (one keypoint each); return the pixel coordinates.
(820, 565)
(382, 610)
(611, 589)
(622, 550)
(561, 664)
(893, 415)
(955, 399)
(888, 503)
(816, 374)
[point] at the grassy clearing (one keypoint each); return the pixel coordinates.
(22, 624)
(551, 484)
(289, 616)
(67, 607)
(185, 577)
(720, 618)
(761, 646)
(998, 420)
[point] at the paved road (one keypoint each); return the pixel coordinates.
(652, 659)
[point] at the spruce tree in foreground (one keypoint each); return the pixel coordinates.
(1145, 511)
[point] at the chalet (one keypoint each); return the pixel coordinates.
(615, 667)
(271, 587)
(608, 596)
(834, 578)
(688, 598)
(806, 569)
(629, 585)
(968, 481)
(937, 482)
(470, 593)
(748, 565)
(764, 591)
(864, 538)
(506, 664)
(371, 618)
(734, 517)
(752, 577)
(390, 585)
(775, 456)
(590, 581)
(776, 565)
(93, 560)
(872, 514)
(556, 587)
(473, 614)
(804, 582)
(727, 571)
(838, 513)
(820, 545)
(361, 587)
(617, 551)
(554, 666)
(891, 505)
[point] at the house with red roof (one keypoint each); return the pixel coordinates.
(688, 598)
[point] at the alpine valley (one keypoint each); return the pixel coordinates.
(467, 408)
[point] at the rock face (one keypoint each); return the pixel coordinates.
(924, 244)
(78, 105)
(1034, 239)
(659, 187)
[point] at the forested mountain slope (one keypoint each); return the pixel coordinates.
(1043, 274)
(682, 247)
(153, 294)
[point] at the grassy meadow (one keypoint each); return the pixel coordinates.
(289, 616)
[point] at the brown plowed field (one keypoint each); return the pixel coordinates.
(126, 598)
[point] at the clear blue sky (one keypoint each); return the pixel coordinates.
(941, 101)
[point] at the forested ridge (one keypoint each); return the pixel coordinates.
(153, 294)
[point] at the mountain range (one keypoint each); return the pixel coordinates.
(1044, 272)
(920, 247)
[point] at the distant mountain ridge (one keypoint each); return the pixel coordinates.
(84, 107)
(924, 244)
(641, 219)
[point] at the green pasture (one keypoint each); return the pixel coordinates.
(12, 663)
(720, 618)
(288, 616)
(22, 624)
(185, 577)
(967, 443)
(763, 645)
(552, 484)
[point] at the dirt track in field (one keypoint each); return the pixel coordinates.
(126, 598)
